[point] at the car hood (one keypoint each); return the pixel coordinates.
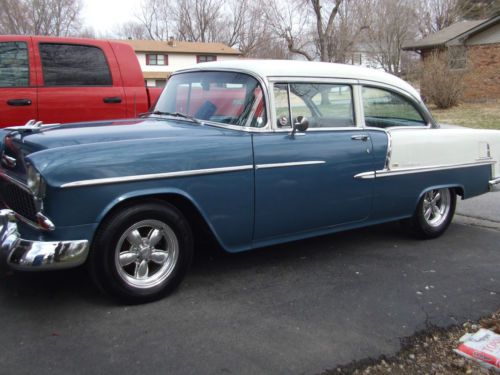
(111, 131)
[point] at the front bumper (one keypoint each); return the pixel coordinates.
(26, 255)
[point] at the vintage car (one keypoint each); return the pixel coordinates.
(253, 153)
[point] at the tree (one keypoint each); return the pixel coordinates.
(318, 30)
(393, 22)
(40, 17)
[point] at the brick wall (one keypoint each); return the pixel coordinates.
(482, 79)
(482, 76)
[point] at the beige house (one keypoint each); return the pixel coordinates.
(159, 59)
(472, 47)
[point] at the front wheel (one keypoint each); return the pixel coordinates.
(142, 252)
(434, 213)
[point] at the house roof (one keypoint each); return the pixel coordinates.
(181, 47)
(462, 29)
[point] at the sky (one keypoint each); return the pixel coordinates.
(104, 15)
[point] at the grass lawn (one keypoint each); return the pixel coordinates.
(477, 115)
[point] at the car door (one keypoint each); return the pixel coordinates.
(305, 181)
(18, 97)
(79, 82)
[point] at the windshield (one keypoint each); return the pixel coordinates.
(224, 97)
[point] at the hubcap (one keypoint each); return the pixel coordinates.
(146, 253)
(436, 206)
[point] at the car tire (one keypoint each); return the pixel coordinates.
(142, 252)
(434, 213)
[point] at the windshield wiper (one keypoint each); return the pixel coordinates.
(172, 114)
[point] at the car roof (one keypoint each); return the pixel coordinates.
(296, 68)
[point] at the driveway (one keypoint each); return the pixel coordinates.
(298, 308)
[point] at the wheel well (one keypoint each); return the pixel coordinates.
(203, 235)
(459, 191)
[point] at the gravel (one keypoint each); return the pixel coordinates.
(427, 352)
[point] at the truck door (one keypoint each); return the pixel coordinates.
(78, 82)
(18, 101)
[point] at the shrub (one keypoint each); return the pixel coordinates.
(440, 84)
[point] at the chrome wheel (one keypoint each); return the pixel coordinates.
(436, 206)
(146, 253)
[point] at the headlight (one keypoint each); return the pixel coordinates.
(35, 182)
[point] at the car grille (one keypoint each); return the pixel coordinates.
(18, 200)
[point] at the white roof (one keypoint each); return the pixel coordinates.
(295, 68)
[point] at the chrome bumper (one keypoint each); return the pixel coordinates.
(495, 184)
(37, 255)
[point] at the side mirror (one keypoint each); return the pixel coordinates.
(301, 124)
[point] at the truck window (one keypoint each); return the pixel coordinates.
(14, 66)
(74, 65)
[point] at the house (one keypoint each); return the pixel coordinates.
(473, 47)
(158, 59)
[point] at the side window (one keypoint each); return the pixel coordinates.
(385, 109)
(74, 65)
(14, 65)
(324, 105)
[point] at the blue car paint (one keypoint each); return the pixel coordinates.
(293, 199)
(245, 209)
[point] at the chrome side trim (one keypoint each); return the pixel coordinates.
(365, 175)
(155, 176)
(495, 181)
(37, 255)
(290, 164)
(404, 171)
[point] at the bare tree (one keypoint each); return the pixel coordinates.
(316, 29)
(393, 22)
(132, 30)
(155, 18)
(40, 17)
(199, 20)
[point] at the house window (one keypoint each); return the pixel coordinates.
(457, 57)
(156, 59)
(205, 58)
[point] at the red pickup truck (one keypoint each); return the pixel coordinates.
(69, 79)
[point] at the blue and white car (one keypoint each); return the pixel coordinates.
(253, 153)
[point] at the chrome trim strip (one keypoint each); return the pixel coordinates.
(290, 164)
(495, 181)
(403, 171)
(155, 176)
(365, 175)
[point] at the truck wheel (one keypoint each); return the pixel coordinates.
(142, 252)
(434, 213)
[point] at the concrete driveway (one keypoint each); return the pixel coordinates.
(298, 308)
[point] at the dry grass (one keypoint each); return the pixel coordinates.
(472, 115)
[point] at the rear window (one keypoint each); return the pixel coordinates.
(74, 65)
(14, 65)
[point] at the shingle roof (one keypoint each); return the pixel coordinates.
(444, 35)
(181, 47)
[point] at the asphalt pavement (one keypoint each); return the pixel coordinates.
(297, 308)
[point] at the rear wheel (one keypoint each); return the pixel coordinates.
(142, 252)
(434, 213)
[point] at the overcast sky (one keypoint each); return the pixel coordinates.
(104, 15)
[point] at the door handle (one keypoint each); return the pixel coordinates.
(360, 137)
(112, 99)
(18, 102)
